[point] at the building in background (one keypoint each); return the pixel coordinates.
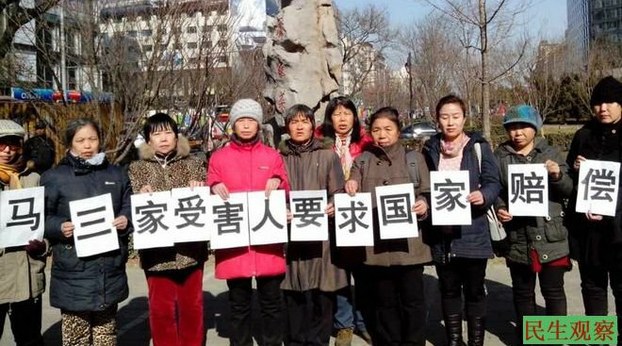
(590, 21)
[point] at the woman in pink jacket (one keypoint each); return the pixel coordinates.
(246, 164)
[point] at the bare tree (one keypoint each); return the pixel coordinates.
(17, 16)
(365, 36)
(434, 57)
(494, 21)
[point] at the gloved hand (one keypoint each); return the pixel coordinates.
(36, 248)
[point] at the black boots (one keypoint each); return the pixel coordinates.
(453, 327)
(476, 330)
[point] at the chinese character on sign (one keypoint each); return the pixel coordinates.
(580, 331)
(307, 211)
(533, 330)
(22, 218)
(151, 216)
(154, 220)
(190, 209)
(227, 217)
(395, 215)
(599, 185)
(449, 191)
(353, 218)
(267, 216)
(597, 190)
(190, 217)
(528, 190)
(27, 216)
(94, 232)
(229, 221)
(97, 217)
(309, 220)
(451, 195)
(396, 209)
(270, 220)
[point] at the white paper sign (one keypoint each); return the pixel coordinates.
(151, 216)
(309, 222)
(449, 190)
(395, 216)
(597, 191)
(528, 190)
(230, 218)
(267, 218)
(353, 220)
(92, 218)
(22, 218)
(190, 214)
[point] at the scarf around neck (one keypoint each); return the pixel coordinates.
(342, 148)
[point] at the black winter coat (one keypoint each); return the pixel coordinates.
(89, 283)
(595, 242)
(472, 241)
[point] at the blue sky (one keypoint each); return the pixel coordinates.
(546, 19)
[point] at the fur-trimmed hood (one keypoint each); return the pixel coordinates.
(146, 152)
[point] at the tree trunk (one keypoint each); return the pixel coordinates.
(484, 68)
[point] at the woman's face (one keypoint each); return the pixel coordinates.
(246, 128)
(451, 121)
(300, 129)
(163, 141)
(521, 135)
(608, 113)
(9, 148)
(384, 132)
(343, 120)
(85, 142)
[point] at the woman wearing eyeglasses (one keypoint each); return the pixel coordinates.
(22, 279)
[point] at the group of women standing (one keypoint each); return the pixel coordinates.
(302, 282)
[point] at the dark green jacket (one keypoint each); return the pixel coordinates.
(547, 235)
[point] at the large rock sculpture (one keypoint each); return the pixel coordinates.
(303, 56)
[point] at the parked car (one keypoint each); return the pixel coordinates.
(419, 130)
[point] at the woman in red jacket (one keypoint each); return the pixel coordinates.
(246, 164)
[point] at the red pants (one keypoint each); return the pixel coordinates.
(176, 307)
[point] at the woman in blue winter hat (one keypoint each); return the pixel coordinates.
(537, 247)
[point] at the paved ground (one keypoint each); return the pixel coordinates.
(134, 329)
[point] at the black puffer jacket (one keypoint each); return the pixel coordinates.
(89, 283)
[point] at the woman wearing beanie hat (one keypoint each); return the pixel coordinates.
(536, 246)
(596, 240)
(246, 164)
(23, 282)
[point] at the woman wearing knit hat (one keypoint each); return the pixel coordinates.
(537, 246)
(23, 281)
(246, 164)
(596, 240)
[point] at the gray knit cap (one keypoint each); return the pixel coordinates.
(246, 108)
(11, 128)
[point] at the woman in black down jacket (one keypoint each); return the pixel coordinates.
(86, 289)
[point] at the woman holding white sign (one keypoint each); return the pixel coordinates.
(311, 278)
(596, 240)
(23, 276)
(461, 252)
(537, 245)
(86, 289)
(389, 278)
(174, 274)
(246, 164)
